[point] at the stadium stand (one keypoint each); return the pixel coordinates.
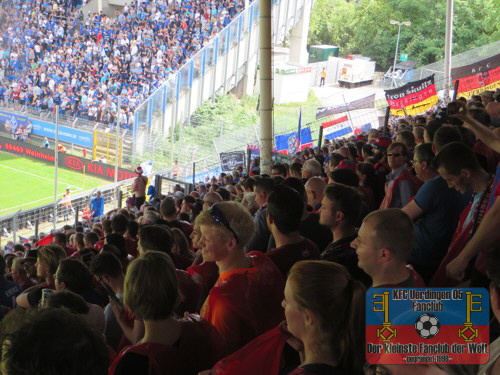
(386, 247)
(53, 55)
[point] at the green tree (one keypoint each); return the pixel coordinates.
(363, 27)
(332, 22)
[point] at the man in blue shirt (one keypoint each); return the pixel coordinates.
(97, 206)
(435, 211)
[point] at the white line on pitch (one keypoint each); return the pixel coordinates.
(25, 204)
(44, 178)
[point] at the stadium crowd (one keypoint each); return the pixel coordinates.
(253, 273)
(50, 55)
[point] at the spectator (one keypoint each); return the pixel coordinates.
(458, 166)
(19, 273)
(97, 206)
(324, 311)
(119, 225)
(311, 168)
(181, 253)
(260, 238)
(48, 260)
(118, 241)
(315, 188)
(160, 238)
(309, 226)
(248, 200)
(407, 138)
(401, 185)
(486, 233)
(435, 212)
(181, 346)
(211, 198)
(168, 212)
(284, 214)
(60, 343)
(296, 170)
(335, 303)
(383, 246)
(73, 275)
(8, 290)
(278, 170)
(60, 239)
(340, 210)
(239, 317)
(90, 239)
(139, 187)
(155, 238)
(445, 135)
(418, 134)
(107, 268)
(368, 185)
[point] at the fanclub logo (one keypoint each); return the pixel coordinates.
(73, 163)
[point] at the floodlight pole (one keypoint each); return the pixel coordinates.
(266, 87)
(392, 22)
(56, 166)
(448, 49)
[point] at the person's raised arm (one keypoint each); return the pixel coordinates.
(487, 234)
(486, 135)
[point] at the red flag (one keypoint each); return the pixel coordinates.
(45, 241)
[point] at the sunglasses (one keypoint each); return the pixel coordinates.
(219, 217)
(394, 154)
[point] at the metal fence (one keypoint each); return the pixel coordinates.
(24, 224)
(437, 68)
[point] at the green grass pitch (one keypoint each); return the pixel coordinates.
(27, 183)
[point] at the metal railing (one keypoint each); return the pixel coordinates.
(24, 224)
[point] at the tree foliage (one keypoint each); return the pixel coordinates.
(362, 27)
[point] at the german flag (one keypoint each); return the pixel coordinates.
(478, 77)
(413, 98)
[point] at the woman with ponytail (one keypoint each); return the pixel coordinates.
(324, 311)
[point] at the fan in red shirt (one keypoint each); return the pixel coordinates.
(170, 345)
(245, 301)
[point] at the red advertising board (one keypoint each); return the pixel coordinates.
(73, 162)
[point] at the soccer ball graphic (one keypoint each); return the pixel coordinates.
(427, 326)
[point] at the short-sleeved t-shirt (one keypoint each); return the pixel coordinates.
(434, 229)
(8, 292)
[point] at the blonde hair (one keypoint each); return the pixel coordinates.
(51, 256)
(337, 300)
(238, 218)
(150, 289)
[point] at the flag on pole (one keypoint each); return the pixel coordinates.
(299, 131)
(23, 239)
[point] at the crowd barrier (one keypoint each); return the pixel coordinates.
(19, 227)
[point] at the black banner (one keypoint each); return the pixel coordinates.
(478, 67)
(363, 103)
(72, 162)
(230, 160)
(412, 98)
